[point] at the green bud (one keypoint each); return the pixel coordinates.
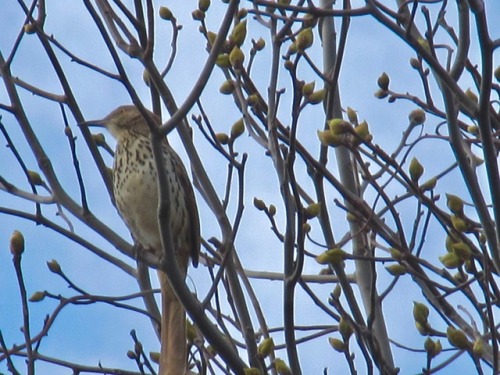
(308, 89)
(462, 250)
(265, 347)
(331, 256)
(16, 243)
(238, 128)
(337, 291)
(396, 254)
(459, 224)
(29, 28)
(198, 15)
(281, 367)
(473, 129)
(497, 73)
(35, 178)
(415, 63)
(337, 344)
(227, 87)
(450, 260)
(317, 97)
(381, 94)
(471, 96)
(429, 184)
(259, 204)
(383, 81)
(420, 312)
(54, 266)
(362, 131)
(328, 138)
(260, 44)
(457, 338)
(339, 126)
(165, 13)
(352, 115)
(203, 5)
(416, 170)
(37, 296)
(239, 33)
(417, 117)
(223, 61)
(99, 139)
(211, 36)
(223, 138)
(345, 328)
(272, 210)
(236, 57)
(312, 210)
(190, 331)
(455, 204)
(396, 269)
(304, 39)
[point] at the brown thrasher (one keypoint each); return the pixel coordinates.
(136, 195)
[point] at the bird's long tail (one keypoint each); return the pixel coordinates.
(173, 355)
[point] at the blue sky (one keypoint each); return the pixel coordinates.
(88, 334)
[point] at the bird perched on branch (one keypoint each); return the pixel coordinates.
(136, 195)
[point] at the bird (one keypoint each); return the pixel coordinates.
(136, 195)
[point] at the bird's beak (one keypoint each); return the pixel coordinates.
(93, 123)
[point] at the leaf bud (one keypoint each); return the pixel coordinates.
(471, 95)
(339, 126)
(29, 28)
(35, 178)
(396, 254)
(237, 129)
(242, 13)
(396, 269)
(37, 296)
(462, 250)
(459, 224)
(131, 354)
(223, 61)
(429, 184)
(420, 312)
(362, 131)
(99, 139)
(328, 138)
(416, 170)
(317, 96)
(259, 44)
(198, 15)
(265, 347)
(312, 210)
(211, 36)
(383, 81)
(239, 33)
(54, 266)
(497, 73)
(281, 367)
(304, 39)
(337, 344)
(16, 243)
(417, 117)
(227, 87)
(223, 138)
(259, 204)
(381, 94)
(352, 115)
(455, 204)
(331, 256)
(308, 88)
(345, 328)
(415, 63)
(272, 210)
(165, 13)
(457, 338)
(450, 260)
(190, 331)
(203, 5)
(236, 57)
